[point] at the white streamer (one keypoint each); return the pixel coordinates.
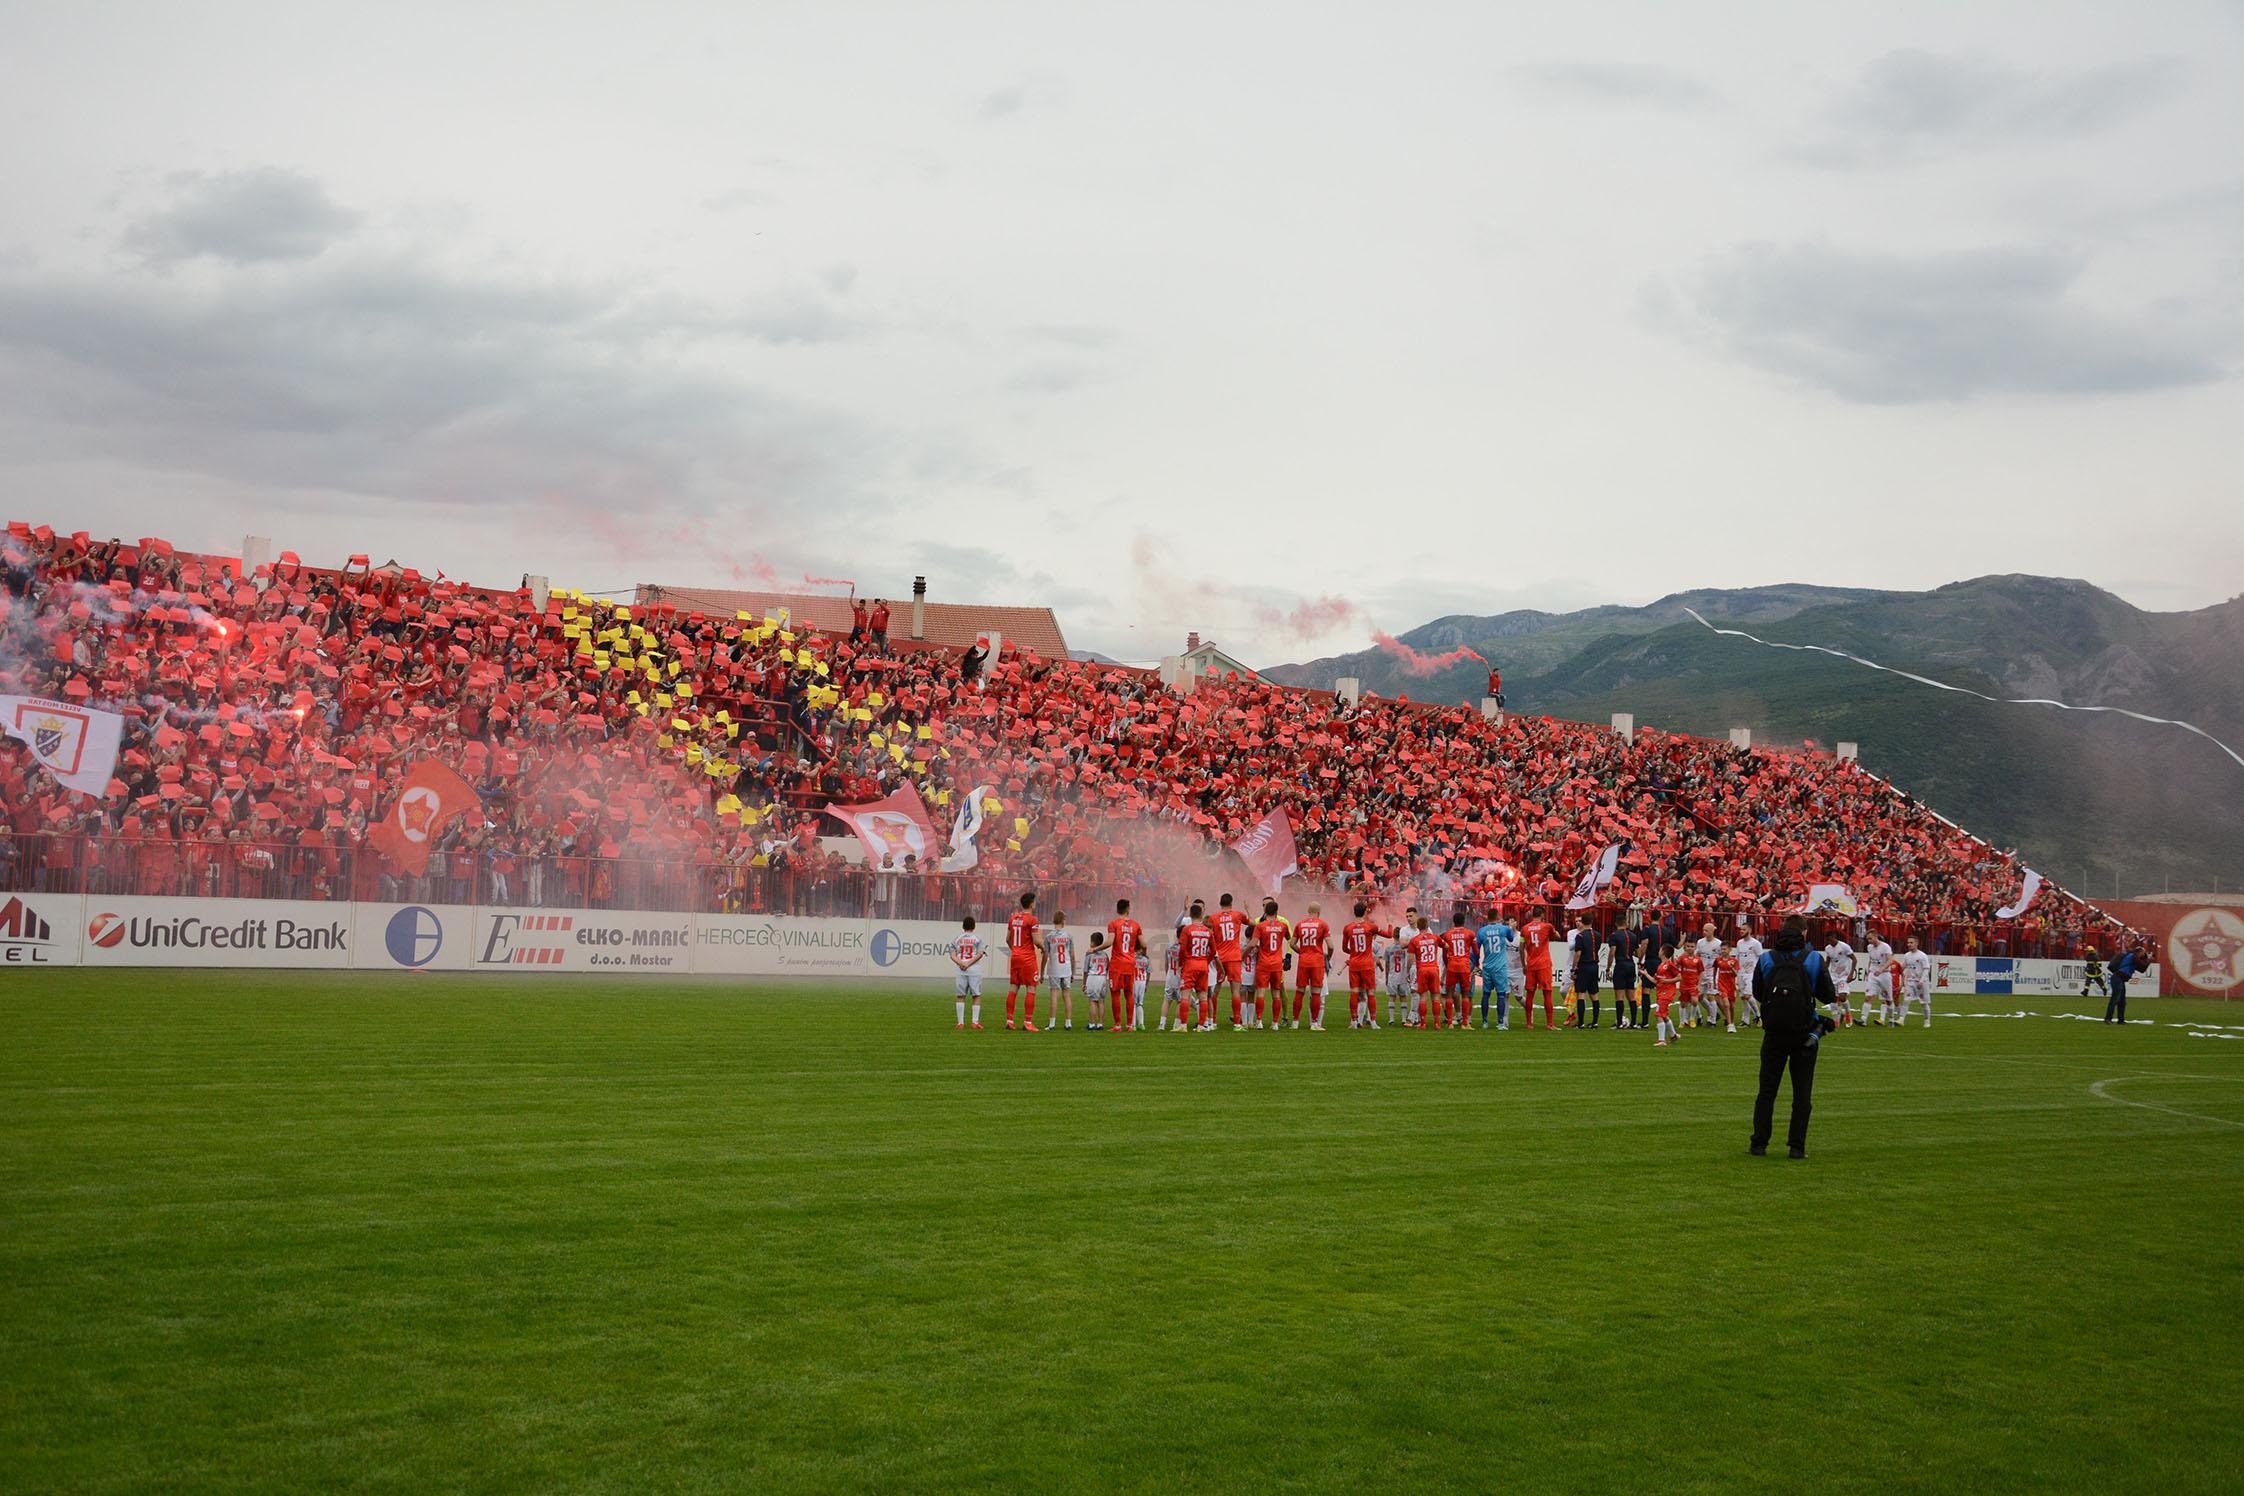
(1967, 691)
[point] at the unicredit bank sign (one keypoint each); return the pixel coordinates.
(215, 932)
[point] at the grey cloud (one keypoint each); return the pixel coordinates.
(1074, 334)
(1913, 106)
(957, 573)
(242, 218)
(1894, 329)
(999, 102)
(399, 381)
(838, 278)
(739, 198)
(1052, 377)
(1035, 90)
(1620, 82)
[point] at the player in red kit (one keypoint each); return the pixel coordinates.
(1312, 948)
(1198, 943)
(1425, 951)
(1271, 936)
(1230, 928)
(1535, 939)
(1125, 937)
(1459, 947)
(1357, 940)
(1025, 954)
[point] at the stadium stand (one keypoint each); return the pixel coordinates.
(660, 755)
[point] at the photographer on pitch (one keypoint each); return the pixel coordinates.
(1794, 990)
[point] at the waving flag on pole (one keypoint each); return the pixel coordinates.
(965, 826)
(2026, 894)
(893, 826)
(1830, 898)
(1268, 850)
(1593, 882)
(428, 800)
(76, 744)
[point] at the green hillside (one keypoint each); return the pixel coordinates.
(2100, 802)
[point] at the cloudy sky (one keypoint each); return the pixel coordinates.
(1281, 322)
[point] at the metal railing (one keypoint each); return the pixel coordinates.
(41, 862)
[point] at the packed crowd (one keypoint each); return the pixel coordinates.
(652, 755)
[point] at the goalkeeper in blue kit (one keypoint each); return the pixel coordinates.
(1495, 939)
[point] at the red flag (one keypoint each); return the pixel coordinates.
(1268, 850)
(896, 826)
(428, 799)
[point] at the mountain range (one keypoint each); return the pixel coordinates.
(2103, 803)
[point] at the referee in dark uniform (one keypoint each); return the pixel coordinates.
(1625, 1010)
(1584, 960)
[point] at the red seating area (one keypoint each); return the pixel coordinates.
(656, 755)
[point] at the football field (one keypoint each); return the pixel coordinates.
(416, 1233)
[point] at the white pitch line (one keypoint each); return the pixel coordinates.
(2097, 1090)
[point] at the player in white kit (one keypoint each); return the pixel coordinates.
(1749, 951)
(1706, 950)
(1838, 957)
(1096, 980)
(1877, 982)
(966, 954)
(1172, 974)
(1915, 967)
(1402, 979)
(1059, 969)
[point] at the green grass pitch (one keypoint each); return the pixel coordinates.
(295, 1232)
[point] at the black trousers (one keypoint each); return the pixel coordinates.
(1777, 1055)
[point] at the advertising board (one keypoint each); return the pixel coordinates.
(412, 937)
(41, 929)
(215, 932)
(590, 940)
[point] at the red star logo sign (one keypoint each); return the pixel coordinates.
(2209, 947)
(417, 811)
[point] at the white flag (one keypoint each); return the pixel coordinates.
(1830, 898)
(1600, 873)
(2025, 897)
(964, 827)
(77, 744)
(1268, 851)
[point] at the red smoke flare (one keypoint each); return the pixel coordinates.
(1308, 620)
(1417, 662)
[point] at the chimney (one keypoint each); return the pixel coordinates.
(1191, 642)
(919, 607)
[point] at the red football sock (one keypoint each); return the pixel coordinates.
(1010, 995)
(1032, 1005)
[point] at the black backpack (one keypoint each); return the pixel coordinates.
(1787, 991)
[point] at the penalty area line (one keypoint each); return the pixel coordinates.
(2099, 1090)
